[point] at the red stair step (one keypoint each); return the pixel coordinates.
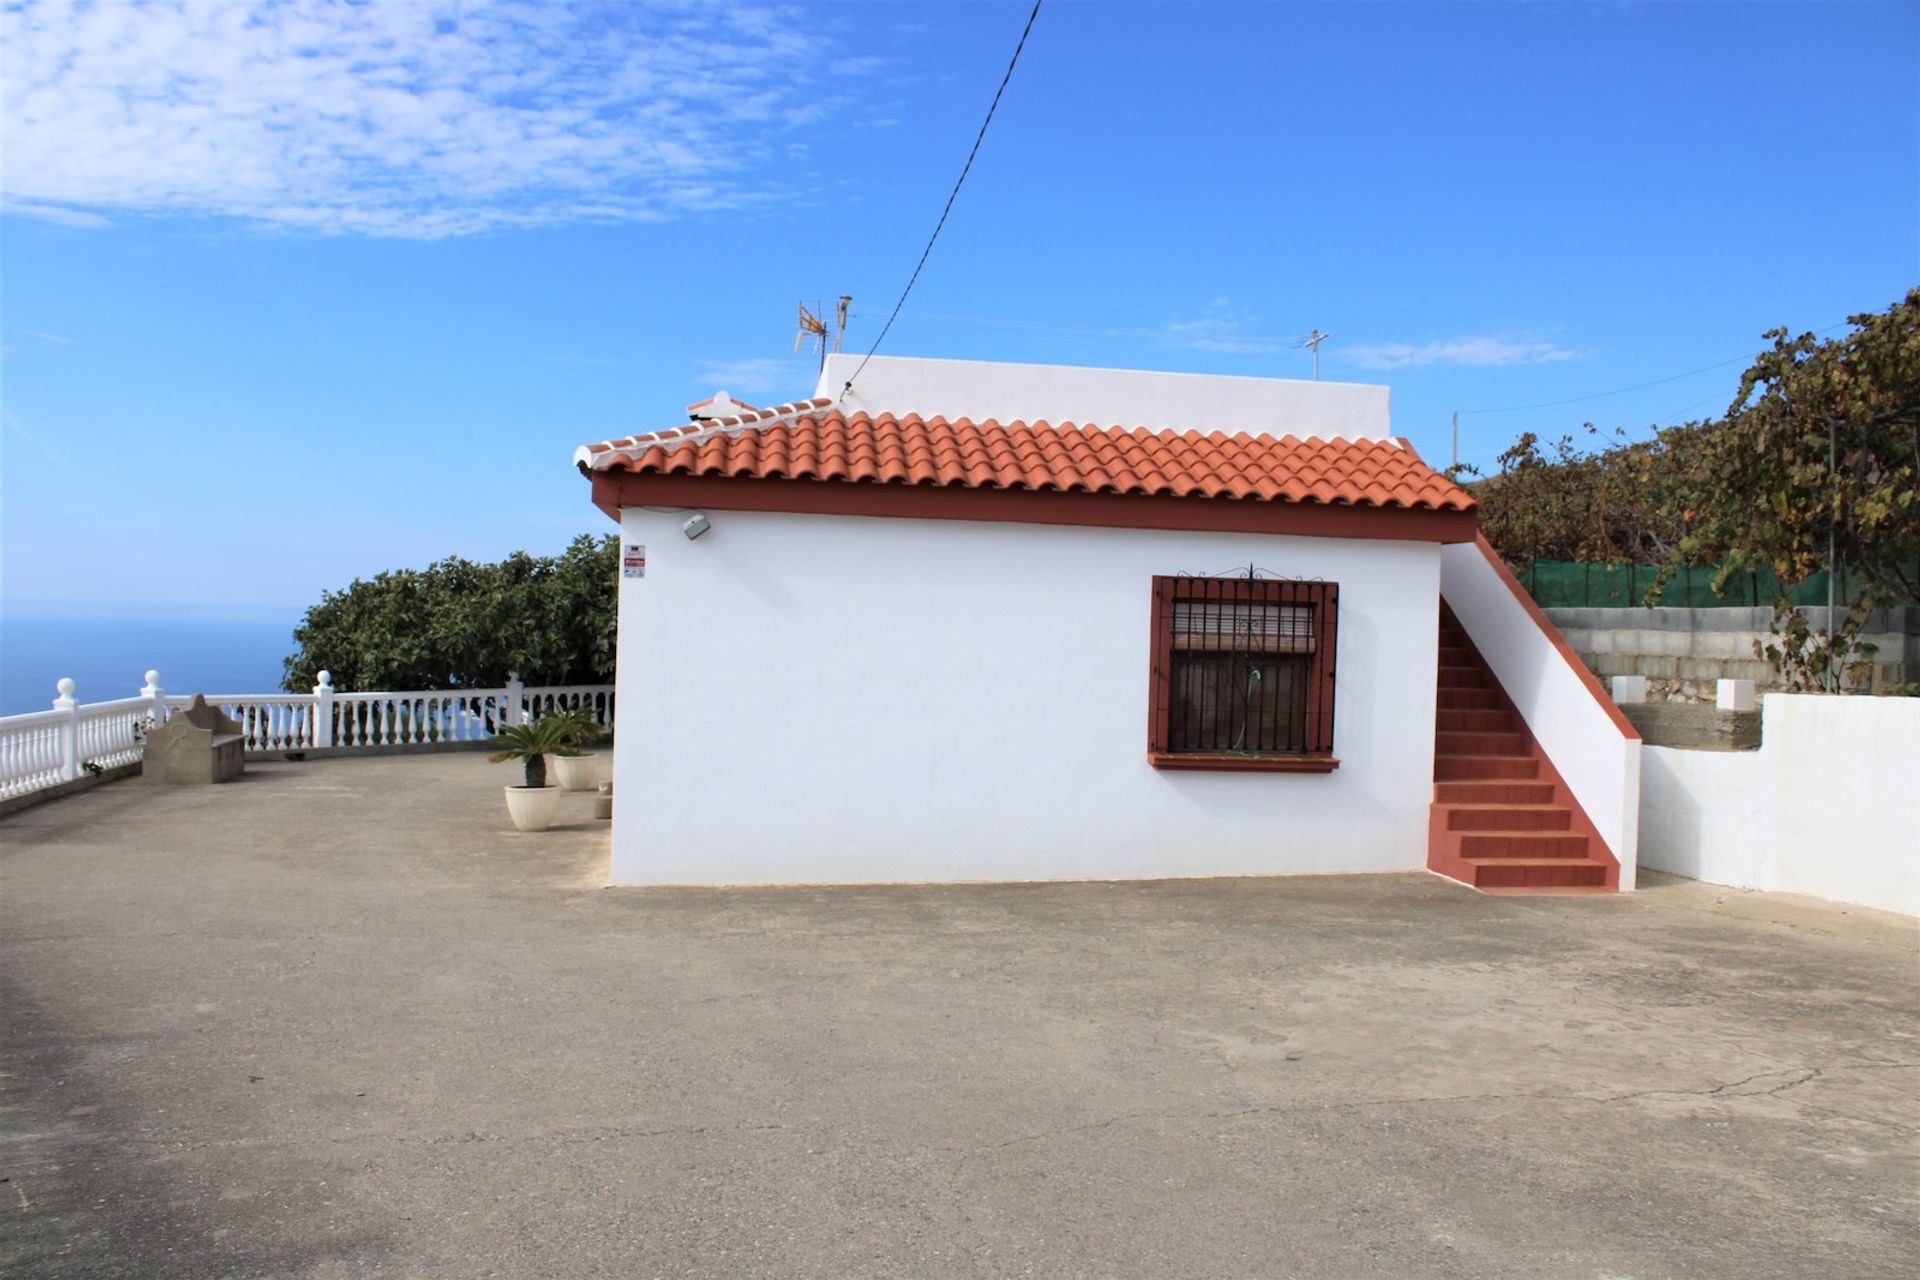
(1465, 678)
(1509, 817)
(1527, 846)
(1477, 720)
(1493, 792)
(1484, 768)
(1539, 873)
(1543, 890)
(1482, 744)
(1471, 699)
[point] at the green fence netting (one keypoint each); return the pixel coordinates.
(1563, 584)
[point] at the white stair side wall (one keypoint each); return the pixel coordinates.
(1571, 718)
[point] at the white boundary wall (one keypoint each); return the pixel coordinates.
(845, 699)
(1576, 729)
(1829, 806)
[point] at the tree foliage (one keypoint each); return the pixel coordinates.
(458, 624)
(1632, 502)
(1823, 441)
(1751, 489)
(1809, 657)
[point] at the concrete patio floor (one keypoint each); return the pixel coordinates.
(332, 1020)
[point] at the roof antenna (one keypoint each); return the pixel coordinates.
(1313, 339)
(813, 327)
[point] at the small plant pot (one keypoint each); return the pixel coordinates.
(532, 808)
(577, 773)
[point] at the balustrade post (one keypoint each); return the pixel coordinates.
(323, 710)
(156, 701)
(69, 730)
(516, 699)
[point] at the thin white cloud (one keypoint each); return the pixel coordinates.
(1221, 327)
(59, 215)
(779, 378)
(12, 422)
(1477, 351)
(398, 119)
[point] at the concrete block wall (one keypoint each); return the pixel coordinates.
(1683, 651)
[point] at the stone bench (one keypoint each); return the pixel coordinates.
(197, 744)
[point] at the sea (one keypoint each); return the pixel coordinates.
(107, 654)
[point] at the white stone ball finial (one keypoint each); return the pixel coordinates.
(325, 677)
(153, 677)
(66, 686)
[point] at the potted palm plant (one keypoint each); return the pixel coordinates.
(580, 770)
(531, 805)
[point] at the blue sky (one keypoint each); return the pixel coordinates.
(298, 292)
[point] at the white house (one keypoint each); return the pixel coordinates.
(963, 621)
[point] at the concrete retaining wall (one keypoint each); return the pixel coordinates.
(1698, 646)
(1826, 807)
(1700, 726)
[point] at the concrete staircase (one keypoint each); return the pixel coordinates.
(1502, 819)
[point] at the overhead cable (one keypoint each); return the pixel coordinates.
(951, 196)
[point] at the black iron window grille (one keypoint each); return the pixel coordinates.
(1242, 667)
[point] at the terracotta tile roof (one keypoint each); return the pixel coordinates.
(809, 440)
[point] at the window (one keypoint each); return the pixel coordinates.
(1242, 674)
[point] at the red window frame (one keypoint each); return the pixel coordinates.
(1322, 597)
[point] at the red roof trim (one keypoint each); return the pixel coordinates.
(613, 490)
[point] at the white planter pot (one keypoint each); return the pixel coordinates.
(577, 773)
(532, 808)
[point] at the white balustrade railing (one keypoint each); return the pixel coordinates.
(112, 733)
(413, 719)
(32, 751)
(46, 748)
(548, 699)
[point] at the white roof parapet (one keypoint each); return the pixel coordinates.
(988, 391)
(985, 390)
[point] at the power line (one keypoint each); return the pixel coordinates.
(951, 197)
(1257, 344)
(1618, 391)
(1671, 418)
(1638, 386)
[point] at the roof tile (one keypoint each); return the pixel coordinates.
(810, 440)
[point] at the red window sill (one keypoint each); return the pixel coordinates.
(1224, 762)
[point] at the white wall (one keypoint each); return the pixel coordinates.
(832, 699)
(1576, 729)
(1108, 397)
(1828, 806)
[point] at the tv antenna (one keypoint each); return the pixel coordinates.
(813, 327)
(1312, 341)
